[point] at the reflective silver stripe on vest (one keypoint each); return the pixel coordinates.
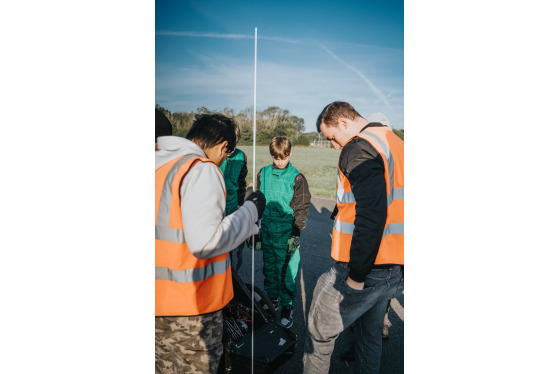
(394, 228)
(341, 196)
(163, 231)
(348, 228)
(169, 234)
(192, 275)
(343, 227)
(397, 194)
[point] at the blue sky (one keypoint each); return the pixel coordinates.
(310, 53)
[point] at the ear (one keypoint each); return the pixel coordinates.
(223, 146)
(290, 155)
(343, 123)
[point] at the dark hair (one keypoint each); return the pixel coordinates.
(280, 147)
(335, 110)
(237, 133)
(163, 126)
(209, 130)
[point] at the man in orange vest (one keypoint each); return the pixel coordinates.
(193, 238)
(348, 352)
(367, 240)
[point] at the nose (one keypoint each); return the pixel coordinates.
(335, 144)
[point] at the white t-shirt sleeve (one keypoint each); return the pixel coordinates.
(207, 232)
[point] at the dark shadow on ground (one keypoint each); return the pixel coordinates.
(315, 260)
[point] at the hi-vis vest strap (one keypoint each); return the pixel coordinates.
(185, 285)
(391, 249)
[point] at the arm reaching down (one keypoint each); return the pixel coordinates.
(208, 233)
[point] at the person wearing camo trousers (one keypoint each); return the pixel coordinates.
(193, 238)
(181, 340)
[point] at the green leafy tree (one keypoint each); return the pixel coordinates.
(271, 122)
(163, 110)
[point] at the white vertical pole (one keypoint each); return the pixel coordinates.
(255, 112)
(254, 188)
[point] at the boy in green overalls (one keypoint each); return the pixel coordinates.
(287, 205)
(234, 169)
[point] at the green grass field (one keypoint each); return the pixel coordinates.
(318, 165)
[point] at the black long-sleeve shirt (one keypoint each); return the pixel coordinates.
(363, 166)
(300, 204)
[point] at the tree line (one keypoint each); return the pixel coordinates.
(271, 122)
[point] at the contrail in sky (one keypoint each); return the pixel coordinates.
(196, 34)
(222, 36)
(204, 34)
(375, 90)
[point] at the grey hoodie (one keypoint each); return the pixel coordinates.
(208, 233)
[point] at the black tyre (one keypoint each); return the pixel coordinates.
(264, 301)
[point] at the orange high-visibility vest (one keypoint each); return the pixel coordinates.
(185, 285)
(391, 249)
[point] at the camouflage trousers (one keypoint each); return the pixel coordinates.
(189, 344)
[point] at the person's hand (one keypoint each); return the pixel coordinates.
(248, 191)
(249, 242)
(256, 197)
(293, 243)
(355, 285)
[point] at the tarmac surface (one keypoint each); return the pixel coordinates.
(315, 260)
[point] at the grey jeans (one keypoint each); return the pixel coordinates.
(336, 306)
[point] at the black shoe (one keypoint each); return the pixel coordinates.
(287, 316)
(348, 354)
(276, 304)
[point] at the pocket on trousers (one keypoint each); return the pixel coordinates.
(352, 297)
(346, 289)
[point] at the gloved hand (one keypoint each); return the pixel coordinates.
(257, 197)
(293, 243)
(249, 242)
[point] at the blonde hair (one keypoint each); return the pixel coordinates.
(280, 147)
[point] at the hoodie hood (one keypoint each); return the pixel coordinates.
(379, 117)
(172, 147)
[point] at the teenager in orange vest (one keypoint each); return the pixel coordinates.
(193, 238)
(367, 240)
